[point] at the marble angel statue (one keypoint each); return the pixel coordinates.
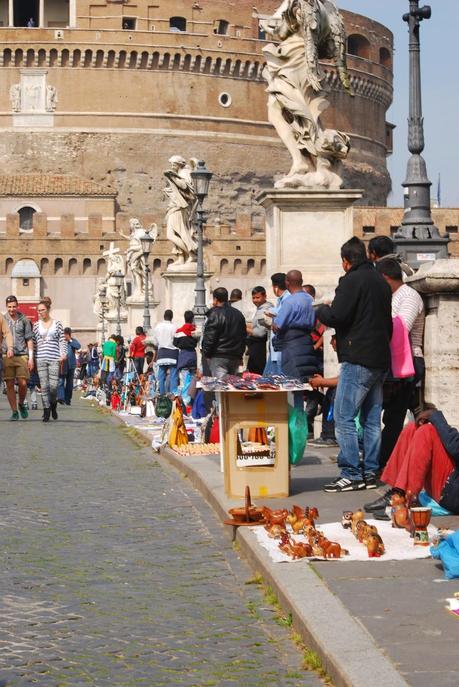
(307, 31)
(182, 200)
(134, 254)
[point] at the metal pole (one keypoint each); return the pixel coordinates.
(146, 302)
(118, 311)
(200, 307)
(417, 235)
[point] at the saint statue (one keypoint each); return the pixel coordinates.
(307, 30)
(182, 199)
(134, 254)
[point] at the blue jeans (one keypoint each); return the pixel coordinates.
(173, 378)
(360, 390)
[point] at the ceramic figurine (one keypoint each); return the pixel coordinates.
(400, 513)
(275, 531)
(346, 520)
(356, 516)
(375, 545)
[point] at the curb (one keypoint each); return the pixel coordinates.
(347, 650)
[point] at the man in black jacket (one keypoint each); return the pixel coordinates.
(223, 341)
(361, 315)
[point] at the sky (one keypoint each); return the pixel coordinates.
(440, 85)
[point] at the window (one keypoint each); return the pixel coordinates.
(359, 46)
(221, 27)
(368, 230)
(452, 229)
(224, 99)
(26, 218)
(129, 23)
(177, 24)
(385, 58)
(261, 31)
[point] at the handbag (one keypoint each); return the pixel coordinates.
(400, 349)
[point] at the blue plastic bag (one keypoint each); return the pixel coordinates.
(448, 553)
(428, 502)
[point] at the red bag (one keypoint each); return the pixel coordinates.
(214, 437)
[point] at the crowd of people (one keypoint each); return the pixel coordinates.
(376, 322)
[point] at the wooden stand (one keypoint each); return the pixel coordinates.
(247, 410)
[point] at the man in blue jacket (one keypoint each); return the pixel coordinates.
(70, 365)
(361, 315)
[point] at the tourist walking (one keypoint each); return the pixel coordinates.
(69, 366)
(224, 336)
(187, 362)
(137, 350)
(20, 364)
(257, 331)
(93, 360)
(361, 315)
(167, 353)
(50, 349)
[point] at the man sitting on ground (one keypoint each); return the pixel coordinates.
(426, 456)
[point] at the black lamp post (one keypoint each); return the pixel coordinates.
(103, 300)
(147, 241)
(118, 278)
(201, 179)
(417, 239)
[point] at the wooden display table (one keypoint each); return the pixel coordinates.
(254, 436)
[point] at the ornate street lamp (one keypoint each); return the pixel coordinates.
(201, 179)
(118, 279)
(147, 241)
(417, 239)
(103, 300)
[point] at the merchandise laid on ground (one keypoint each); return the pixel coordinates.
(253, 382)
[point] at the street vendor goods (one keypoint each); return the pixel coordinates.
(421, 519)
(197, 449)
(365, 533)
(252, 382)
(400, 513)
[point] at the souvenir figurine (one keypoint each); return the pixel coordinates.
(375, 546)
(346, 520)
(400, 513)
(356, 516)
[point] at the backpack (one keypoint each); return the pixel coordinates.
(163, 406)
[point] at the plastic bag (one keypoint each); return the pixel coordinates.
(163, 406)
(428, 502)
(297, 434)
(448, 552)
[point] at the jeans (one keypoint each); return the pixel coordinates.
(219, 367)
(360, 390)
(328, 425)
(138, 365)
(173, 378)
(48, 372)
(69, 379)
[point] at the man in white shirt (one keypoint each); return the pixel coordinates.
(167, 355)
(400, 394)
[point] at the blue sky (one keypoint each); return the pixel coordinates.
(440, 83)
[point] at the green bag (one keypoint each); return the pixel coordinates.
(163, 406)
(297, 434)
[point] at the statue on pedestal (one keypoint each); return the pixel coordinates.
(134, 255)
(182, 199)
(308, 30)
(115, 263)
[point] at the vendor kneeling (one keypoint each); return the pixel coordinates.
(426, 456)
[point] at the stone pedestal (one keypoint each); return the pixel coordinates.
(305, 230)
(135, 309)
(180, 290)
(438, 283)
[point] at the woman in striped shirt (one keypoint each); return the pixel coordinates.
(50, 349)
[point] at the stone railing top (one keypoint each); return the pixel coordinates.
(441, 276)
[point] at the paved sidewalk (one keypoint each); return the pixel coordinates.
(115, 572)
(373, 623)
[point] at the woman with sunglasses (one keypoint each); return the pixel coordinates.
(50, 349)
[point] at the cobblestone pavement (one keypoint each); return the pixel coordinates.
(114, 572)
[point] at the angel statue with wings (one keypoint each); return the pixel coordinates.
(307, 31)
(182, 201)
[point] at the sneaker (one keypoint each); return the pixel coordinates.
(371, 482)
(323, 443)
(14, 416)
(380, 504)
(344, 484)
(24, 411)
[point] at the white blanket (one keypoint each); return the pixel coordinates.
(398, 544)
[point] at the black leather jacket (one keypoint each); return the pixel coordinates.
(224, 333)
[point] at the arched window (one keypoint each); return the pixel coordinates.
(177, 24)
(221, 27)
(385, 58)
(58, 266)
(26, 218)
(44, 266)
(101, 267)
(87, 264)
(73, 266)
(359, 46)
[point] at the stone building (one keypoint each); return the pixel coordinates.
(107, 90)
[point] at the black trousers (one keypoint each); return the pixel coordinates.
(257, 354)
(328, 426)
